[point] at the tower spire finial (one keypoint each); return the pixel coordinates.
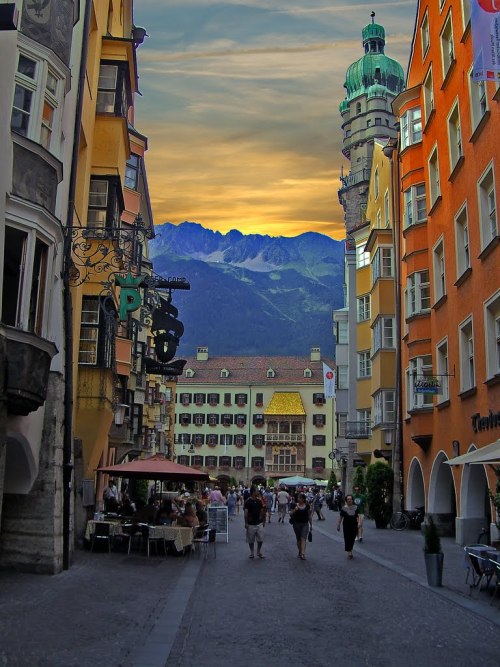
(373, 17)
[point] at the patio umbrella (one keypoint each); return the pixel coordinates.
(296, 480)
(155, 467)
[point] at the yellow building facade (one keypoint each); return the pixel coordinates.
(376, 341)
(112, 222)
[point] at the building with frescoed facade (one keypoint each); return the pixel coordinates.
(250, 419)
(449, 157)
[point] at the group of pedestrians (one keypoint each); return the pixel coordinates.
(259, 505)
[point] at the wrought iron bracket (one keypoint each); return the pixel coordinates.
(98, 251)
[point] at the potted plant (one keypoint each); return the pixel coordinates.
(434, 557)
(379, 483)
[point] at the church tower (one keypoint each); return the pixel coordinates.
(372, 82)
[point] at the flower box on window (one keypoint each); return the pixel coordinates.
(318, 469)
(211, 467)
(257, 468)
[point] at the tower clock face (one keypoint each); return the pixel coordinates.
(38, 10)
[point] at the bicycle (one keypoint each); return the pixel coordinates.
(407, 519)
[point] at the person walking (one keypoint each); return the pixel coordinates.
(231, 503)
(255, 521)
(349, 520)
(317, 504)
(301, 520)
(338, 499)
(283, 500)
(216, 498)
(268, 498)
(359, 500)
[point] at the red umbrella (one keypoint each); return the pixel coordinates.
(155, 467)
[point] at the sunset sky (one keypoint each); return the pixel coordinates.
(240, 104)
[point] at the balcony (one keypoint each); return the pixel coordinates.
(285, 437)
(28, 358)
(362, 176)
(358, 430)
(285, 467)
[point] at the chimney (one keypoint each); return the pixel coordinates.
(202, 354)
(315, 354)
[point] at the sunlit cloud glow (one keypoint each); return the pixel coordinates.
(240, 106)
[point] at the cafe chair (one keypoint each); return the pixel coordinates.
(496, 566)
(123, 538)
(205, 539)
(481, 568)
(467, 562)
(154, 537)
(102, 533)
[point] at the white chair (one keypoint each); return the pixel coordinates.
(205, 539)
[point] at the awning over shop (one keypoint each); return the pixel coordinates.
(483, 455)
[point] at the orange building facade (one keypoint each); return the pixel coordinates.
(449, 156)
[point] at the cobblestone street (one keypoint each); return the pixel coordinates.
(132, 611)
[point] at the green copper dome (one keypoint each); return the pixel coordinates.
(374, 70)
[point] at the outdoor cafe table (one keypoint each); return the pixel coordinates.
(181, 536)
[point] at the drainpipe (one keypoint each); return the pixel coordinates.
(67, 301)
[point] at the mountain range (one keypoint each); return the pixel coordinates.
(252, 294)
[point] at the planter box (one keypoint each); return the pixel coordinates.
(434, 569)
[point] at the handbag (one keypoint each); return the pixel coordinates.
(310, 535)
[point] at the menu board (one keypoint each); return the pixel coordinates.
(217, 518)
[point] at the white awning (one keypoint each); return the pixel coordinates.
(483, 455)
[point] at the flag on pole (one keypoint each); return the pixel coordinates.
(485, 27)
(329, 381)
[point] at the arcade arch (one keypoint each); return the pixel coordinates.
(475, 504)
(442, 495)
(415, 489)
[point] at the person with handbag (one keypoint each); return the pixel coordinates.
(301, 520)
(349, 520)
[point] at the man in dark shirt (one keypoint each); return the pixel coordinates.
(255, 520)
